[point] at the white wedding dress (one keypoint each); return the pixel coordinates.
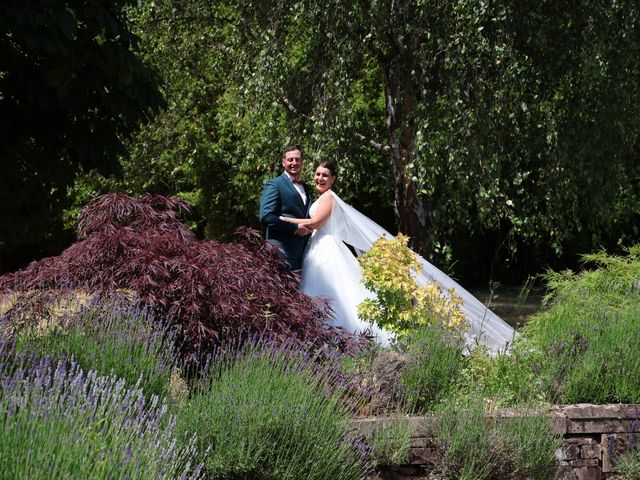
(331, 270)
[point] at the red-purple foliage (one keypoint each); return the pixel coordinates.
(216, 291)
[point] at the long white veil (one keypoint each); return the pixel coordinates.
(485, 327)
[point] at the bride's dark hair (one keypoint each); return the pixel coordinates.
(329, 165)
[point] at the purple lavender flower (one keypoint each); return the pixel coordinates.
(83, 425)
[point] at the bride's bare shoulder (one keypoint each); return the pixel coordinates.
(326, 195)
(326, 198)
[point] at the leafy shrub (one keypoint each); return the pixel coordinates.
(583, 347)
(113, 336)
(389, 270)
(375, 374)
(60, 422)
(213, 290)
(269, 413)
(475, 447)
(435, 367)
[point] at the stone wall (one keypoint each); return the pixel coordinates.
(592, 435)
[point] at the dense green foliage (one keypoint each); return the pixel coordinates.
(266, 411)
(464, 124)
(78, 368)
(400, 303)
(581, 348)
(71, 88)
(269, 413)
(112, 337)
(503, 126)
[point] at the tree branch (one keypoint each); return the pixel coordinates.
(372, 143)
(289, 106)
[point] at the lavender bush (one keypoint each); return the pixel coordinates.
(476, 447)
(60, 422)
(113, 335)
(435, 368)
(271, 413)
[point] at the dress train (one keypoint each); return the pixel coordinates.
(330, 269)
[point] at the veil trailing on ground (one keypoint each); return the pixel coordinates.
(485, 327)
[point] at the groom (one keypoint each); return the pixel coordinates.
(287, 196)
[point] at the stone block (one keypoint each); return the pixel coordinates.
(421, 456)
(423, 442)
(588, 411)
(564, 472)
(591, 451)
(631, 410)
(587, 473)
(598, 426)
(422, 426)
(585, 462)
(567, 452)
(558, 424)
(580, 410)
(580, 441)
(597, 412)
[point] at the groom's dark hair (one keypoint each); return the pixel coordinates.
(291, 149)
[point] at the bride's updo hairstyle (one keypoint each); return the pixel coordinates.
(329, 165)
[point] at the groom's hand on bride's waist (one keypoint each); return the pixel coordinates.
(302, 230)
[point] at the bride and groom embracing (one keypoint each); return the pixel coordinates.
(312, 237)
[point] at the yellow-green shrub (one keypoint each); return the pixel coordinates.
(390, 269)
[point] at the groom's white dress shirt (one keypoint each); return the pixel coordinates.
(299, 188)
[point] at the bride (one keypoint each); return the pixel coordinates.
(330, 269)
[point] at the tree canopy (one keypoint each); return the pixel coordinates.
(502, 124)
(71, 88)
(501, 133)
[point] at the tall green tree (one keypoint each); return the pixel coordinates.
(497, 117)
(496, 130)
(221, 133)
(71, 89)
(311, 55)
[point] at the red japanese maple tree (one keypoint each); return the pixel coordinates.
(214, 290)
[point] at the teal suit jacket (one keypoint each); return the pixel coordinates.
(280, 198)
